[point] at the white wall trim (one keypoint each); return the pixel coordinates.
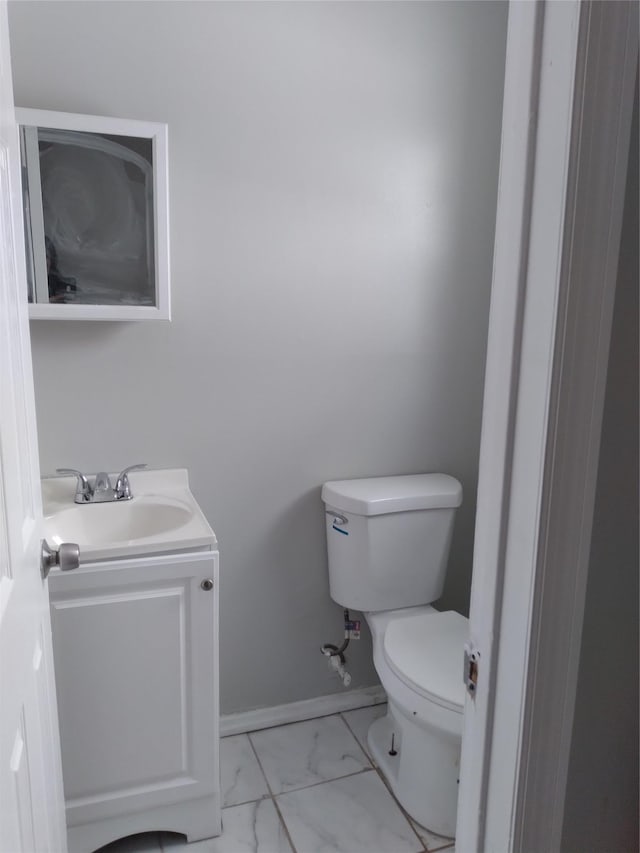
(295, 712)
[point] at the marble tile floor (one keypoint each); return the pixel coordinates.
(308, 787)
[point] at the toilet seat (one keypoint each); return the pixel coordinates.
(425, 651)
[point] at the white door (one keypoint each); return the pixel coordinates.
(31, 795)
(569, 80)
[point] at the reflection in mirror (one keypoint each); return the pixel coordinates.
(97, 208)
(90, 202)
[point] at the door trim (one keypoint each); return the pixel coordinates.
(563, 169)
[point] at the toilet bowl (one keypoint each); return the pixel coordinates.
(388, 543)
(417, 653)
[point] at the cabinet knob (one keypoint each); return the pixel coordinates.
(207, 585)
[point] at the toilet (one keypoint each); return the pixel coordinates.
(388, 544)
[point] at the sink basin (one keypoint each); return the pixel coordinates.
(118, 522)
(163, 516)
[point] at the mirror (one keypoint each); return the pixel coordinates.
(96, 216)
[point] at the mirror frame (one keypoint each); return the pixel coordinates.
(158, 134)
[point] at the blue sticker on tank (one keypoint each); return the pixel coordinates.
(339, 530)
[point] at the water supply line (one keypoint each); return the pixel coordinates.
(335, 654)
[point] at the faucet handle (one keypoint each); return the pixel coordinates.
(84, 491)
(123, 487)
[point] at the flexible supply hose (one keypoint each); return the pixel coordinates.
(329, 650)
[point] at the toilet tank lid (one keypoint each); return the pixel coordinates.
(380, 495)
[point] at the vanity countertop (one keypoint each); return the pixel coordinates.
(162, 516)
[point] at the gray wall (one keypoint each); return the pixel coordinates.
(333, 177)
(601, 811)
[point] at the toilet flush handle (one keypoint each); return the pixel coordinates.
(341, 519)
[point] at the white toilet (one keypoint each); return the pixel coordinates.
(388, 544)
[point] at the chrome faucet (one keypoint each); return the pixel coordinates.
(102, 490)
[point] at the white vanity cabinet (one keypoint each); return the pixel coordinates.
(136, 654)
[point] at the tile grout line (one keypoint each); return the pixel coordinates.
(368, 769)
(410, 819)
(223, 803)
(284, 824)
(272, 796)
(373, 769)
(362, 747)
(405, 814)
(247, 802)
(270, 726)
(353, 735)
(395, 799)
(384, 782)
(388, 787)
(325, 782)
(322, 781)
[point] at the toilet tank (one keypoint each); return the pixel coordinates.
(388, 539)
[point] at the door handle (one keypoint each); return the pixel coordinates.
(67, 557)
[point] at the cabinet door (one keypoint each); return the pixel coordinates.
(135, 644)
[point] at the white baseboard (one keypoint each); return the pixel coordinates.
(294, 712)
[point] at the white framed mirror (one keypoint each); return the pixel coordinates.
(96, 215)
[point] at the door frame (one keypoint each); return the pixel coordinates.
(568, 99)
